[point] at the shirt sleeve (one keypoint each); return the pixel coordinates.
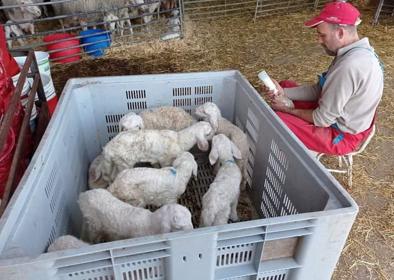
(303, 93)
(336, 92)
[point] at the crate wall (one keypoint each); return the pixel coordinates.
(303, 219)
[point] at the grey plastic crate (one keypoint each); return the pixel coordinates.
(304, 214)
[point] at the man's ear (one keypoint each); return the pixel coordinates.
(341, 33)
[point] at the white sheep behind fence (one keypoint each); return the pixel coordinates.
(117, 20)
(153, 146)
(26, 11)
(220, 202)
(210, 112)
(89, 10)
(107, 218)
(150, 186)
(11, 30)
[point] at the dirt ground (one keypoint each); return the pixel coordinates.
(286, 49)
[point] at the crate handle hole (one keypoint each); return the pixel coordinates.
(184, 258)
(200, 256)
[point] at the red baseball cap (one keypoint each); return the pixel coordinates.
(337, 13)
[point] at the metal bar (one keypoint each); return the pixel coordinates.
(5, 124)
(215, 1)
(280, 9)
(242, 12)
(16, 158)
(377, 13)
(219, 6)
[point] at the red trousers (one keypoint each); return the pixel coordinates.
(320, 139)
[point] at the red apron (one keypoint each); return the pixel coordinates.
(320, 139)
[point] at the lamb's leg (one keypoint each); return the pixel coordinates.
(31, 28)
(90, 233)
(121, 27)
(222, 217)
(234, 214)
(129, 24)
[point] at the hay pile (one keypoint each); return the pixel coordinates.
(286, 50)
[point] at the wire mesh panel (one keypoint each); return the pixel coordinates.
(384, 8)
(206, 9)
(70, 29)
(274, 7)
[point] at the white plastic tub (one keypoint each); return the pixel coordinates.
(305, 215)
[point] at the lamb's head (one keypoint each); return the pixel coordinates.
(96, 180)
(174, 217)
(131, 121)
(28, 8)
(110, 19)
(209, 112)
(223, 149)
(203, 132)
(186, 159)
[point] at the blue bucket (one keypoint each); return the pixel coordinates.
(97, 41)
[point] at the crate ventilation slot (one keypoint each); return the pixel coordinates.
(113, 123)
(60, 213)
(236, 254)
(201, 100)
(93, 274)
(137, 105)
(185, 91)
(52, 236)
(182, 102)
(50, 183)
(276, 276)
(135, 94)
(288, 207)
(203, 90)
(143, 270)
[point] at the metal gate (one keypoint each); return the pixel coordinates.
(70, 29)
(207, 9)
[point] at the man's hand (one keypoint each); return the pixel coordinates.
(270, 93)
(279, 100)
(279, 105)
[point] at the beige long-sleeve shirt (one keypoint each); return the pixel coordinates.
(351, 92)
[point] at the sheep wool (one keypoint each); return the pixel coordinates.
(107, 218)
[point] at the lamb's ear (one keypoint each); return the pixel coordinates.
(236, 152)
(195, 169)
(94, 174)
(213, 155)
(214, 121)
(203, 144)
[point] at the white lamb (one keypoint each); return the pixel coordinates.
(220, 202)
(166, 117)
(131, 121)
(210, 112)
(13, 30)
(108, 218)
(142, 186)
(153, 146)
(66, 242)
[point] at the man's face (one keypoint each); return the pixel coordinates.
(328, 38)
